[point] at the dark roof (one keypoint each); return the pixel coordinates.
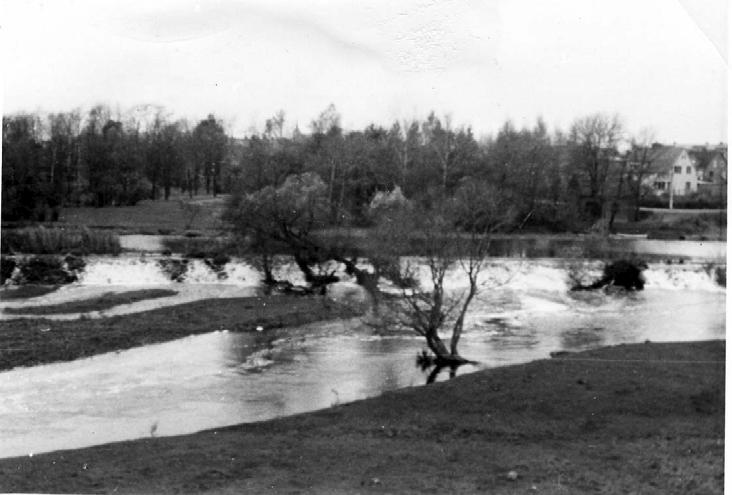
(664, 157)
(704, 158)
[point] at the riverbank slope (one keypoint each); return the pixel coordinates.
(646, 418)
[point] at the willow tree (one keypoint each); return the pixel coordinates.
(417, 245)
(449, 237)
(285, 219)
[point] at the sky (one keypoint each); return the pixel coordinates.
(659, 64)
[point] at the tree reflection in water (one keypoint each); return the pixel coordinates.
(426, 361)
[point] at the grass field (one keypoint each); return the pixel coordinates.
(175, 216)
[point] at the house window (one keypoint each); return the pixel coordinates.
(688, 186)
(711, 175)
(677, 170)
(659, 185)
(688, 170)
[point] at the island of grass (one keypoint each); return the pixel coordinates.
(645, 418)
(28, 342)
(100, 303)
(20, 292)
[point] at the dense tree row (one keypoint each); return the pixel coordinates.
(101, 159)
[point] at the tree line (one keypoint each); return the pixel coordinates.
(102, 159)
(555, 180)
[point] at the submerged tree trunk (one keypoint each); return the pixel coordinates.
(443, 356)
(267, 269)
(437, 346)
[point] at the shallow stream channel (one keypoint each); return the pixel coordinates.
(525, 312)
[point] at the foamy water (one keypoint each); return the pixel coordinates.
(543, 277)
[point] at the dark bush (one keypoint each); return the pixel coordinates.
(622, 273)
(694, 201)
(46, 270)
(175, 268)
(220, 259)
(7, 266)
(75, 263)
(720, 276)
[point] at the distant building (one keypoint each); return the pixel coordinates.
(711, 167)
(674, 171)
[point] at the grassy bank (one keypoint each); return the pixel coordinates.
(679, 224)
(645, 418)
(175, 216)
(29, 342)
(105, 301)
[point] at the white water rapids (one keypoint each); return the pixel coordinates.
(238, 279)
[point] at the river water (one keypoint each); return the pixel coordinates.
(223, 378)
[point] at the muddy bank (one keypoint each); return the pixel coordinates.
(646, 418)
(36, 341)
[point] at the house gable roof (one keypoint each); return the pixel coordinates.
(705, 159)
(664, 157)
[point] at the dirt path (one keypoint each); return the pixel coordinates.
(645, 418)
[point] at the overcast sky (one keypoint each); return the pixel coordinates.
(659, 64)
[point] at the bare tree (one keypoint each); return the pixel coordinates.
(641, 164)
(443, 249)
(404, 139)
(593, 141)
(440, 139)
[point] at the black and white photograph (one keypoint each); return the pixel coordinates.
(354, 247)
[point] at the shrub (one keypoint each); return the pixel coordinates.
(7, 266)
(46, 270)
(720, 276)
(217, 263)
(175, 269)
(690, 201)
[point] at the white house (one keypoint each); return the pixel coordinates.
(711, 172)
(674, 171)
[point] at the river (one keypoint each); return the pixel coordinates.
(223, 378)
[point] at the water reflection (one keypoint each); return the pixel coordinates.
(436, 370)
(582, 338)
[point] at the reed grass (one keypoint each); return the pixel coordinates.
(42, 240)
